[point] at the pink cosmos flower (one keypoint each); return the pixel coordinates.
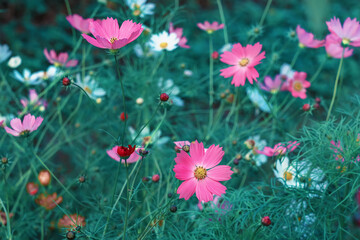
(307, 39)
(108, 35)
(210, 28)
(34, 100)
(79, 23)
(334, 48)
(61, 60)
(179, 32)
(180, 144)
(272, 86)
(134, 157)
(298, 85)
(349, 33)
(28, 125)
(244, 60)
(279, 149)
(200, 173)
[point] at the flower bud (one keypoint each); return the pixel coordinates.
(143, 152)
(266, 221)
(173, 208)
(316, 105)
(318, 100)
(4, 160)
(164, 97)
(139, 101)
(66, 81)
(82, 179)
(215, 55)
(236, 161)
(186, 148)
(44, 177)
(70, 235)
(32, 188)
(170, 195)
(306, 107)
(145, 179)
(122, 116)
(155, 178)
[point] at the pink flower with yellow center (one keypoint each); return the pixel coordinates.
(349, 33)
(59, 60)
(272, 86)
(298, 85)
(210, 27)
(109, 35)
(244, 60)
(307, 39)
(200, 172)
(179, 33)
(24, 128)
(334, 48)
(79, 23)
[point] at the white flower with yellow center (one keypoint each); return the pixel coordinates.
(164, 41)
(90, 86)
(140, 8)
(285, 172)
(26, 78)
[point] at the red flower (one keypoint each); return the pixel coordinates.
(266, 221)
(125, 152)
(32, 188)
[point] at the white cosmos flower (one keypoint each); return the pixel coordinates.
(27, 78)
(140, 7)
(5, 52)
(14, 62)
(49, 74)
(148, 137)
(164, 41)
(257, 99)
(286, 71)
(285, 173)
(169, 87)
(90, 86)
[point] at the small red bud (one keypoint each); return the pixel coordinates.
(266, 221)
(306, 107)
(164, 97)
(122, 116)
(155, 178)
(215, 55)
(318, 100)
(316, 105)
(145, 179)
(66, 81)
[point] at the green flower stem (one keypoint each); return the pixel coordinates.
(222, 17)
(211, 84)
(295, 57)
(255, 232)
(266, 10)
(9, 234)
(123, 97)
(335, 87)
(127, 199)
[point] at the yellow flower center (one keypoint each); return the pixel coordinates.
(136, 5)
(147, 139)
(113, 39)
(56, 64)
(163, 45)
(288, 176)
(301, 45)
(200, 173)
(136, 12)
(98, 100)
(298, 86)
(346, 41)
(210, 31)
(25, 133)
(243, 62)
(274, 91)
(88, 90)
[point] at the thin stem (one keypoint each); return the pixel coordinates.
(127, 199)
(222, 17)
(7, 220)
(295, 57)
(112, 198)
(211, 84)
(336, 84)
(266, 10)
(123, 94)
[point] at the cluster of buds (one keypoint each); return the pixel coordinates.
(229, 97)
(307, 107)
(155, 178)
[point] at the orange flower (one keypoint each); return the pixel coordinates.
(47, 201)
(72, 222)
(44, 177)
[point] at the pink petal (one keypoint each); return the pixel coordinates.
(113, 154)
(12, 132)
(215, 187)
(213, 156)
(230, 71)
(92, 41)
(46, 53)
(187, 188)
(182, 172)
(197, 152)
(16, 125)
(229, 58)
(72, 63)
(220, 173)
(202, 192)
(28, 122)
(37, 123)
